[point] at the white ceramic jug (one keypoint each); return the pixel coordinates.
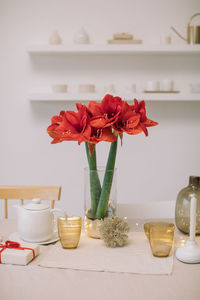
(36, 221)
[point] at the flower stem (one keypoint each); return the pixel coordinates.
(107, 183)
(95, 186)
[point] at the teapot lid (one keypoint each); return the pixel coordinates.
(36, 204)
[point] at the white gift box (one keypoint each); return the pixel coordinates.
(19, 256)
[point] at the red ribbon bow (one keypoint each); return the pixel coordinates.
(14, 245)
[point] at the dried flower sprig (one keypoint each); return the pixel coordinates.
(114, 232)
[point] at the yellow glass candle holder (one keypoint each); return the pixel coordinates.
(69, 230)
(161, 236)
(92, 227)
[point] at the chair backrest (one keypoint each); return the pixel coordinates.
(147, 210)
(51, 193)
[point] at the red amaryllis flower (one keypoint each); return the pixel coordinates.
(128, 120)
(106, 113)
(139, 108)
(71, 126)
(100, 135)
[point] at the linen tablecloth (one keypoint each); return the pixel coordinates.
(92, 255)
(34, 282)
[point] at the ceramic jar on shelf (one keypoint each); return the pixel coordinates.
(81, 37)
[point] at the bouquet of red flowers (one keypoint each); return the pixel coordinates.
(103, 121)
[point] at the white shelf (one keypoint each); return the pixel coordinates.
(67, 97)
(64, 97)
(113, 49)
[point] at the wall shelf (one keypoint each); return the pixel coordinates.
(67, 97)
(108, 50)
(113, 49)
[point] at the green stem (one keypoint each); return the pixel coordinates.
(95, 186)
(107, 183)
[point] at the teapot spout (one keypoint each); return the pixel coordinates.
(179, 34)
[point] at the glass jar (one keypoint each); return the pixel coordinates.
(182, 211)
(100, 198)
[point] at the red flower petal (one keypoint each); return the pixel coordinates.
(106, 113)
(128, 120)
(95, 108)
(71, 126)
(102, 134)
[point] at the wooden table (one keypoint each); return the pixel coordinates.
(34, 282)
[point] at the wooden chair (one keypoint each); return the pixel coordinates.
(51, 193)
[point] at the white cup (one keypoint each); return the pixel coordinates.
(87, 88)
(59, 88)
(153, 85)
(167, 85)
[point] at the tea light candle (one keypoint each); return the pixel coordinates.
(190, 252)
(153, 85)
(167, 85)
(193, 207)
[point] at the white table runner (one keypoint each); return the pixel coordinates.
(92, 255)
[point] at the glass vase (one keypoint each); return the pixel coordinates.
(182, 211)
(100, 198)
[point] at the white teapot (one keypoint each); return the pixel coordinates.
(36, 221)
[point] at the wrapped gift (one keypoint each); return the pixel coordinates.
(18, 254)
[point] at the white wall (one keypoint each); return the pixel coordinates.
(149, 169)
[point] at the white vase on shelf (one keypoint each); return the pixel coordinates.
(55, 39)
(81, 37)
